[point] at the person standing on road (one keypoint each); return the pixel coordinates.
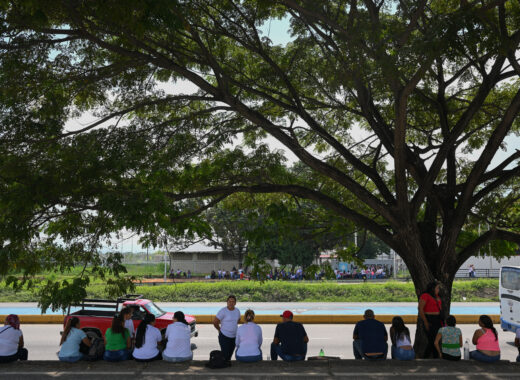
(370, 338)
(430, 318)
(450, 338)
(147, 339)
(290, 340)
(11, 341)
(226, 322)
(71, 338)
(249, 340)
(471, 271)
(178, 348)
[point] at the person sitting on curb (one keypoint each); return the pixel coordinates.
(401, 343)
(126, 313)
(178, 348)
(517, 343)
(249, 340)
(70, 341)
(451, 340)
(147, 341)
(11, 341)
(117, 341)
(370, 338)
(486, 340)
(290, 340)
(226, 322)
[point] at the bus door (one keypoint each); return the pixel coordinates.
(510, 298)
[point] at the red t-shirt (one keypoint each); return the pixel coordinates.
(432, 305)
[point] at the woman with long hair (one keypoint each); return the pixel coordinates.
(147, 339)
(70, 341)
(450, 338)
(486, 340)
(249, 340)
(11, 341)
(401, 343)
(117, 341)
(430, 316)
(178, 347)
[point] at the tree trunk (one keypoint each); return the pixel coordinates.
(443, 271)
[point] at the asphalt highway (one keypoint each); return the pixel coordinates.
(42, 341)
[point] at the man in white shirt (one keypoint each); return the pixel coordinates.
(226, 322)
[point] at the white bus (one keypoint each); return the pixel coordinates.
(509, 291)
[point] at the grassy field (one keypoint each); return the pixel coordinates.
(277, 291)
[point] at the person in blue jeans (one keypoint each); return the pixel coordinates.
(486, 340)
(117, 341)
(402, 348)
(70, 340)
(370, 338)
(249, 340)
(290, 340)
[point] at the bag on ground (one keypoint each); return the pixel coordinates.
(96, 350)
(217, 360)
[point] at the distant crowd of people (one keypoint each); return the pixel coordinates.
(364, 273)
(180, 273)
(370, 337)
(370, 272)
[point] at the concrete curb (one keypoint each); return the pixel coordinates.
(274, 319)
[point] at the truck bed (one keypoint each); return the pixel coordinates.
(95, 313)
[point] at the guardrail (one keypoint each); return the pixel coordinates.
(482, 273)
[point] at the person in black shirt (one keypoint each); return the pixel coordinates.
(290, 340)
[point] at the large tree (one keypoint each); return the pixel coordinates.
(432, 84)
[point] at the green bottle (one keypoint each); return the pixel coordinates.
(322, 353)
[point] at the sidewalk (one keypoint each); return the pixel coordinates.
(389, 369)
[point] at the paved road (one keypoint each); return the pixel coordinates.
(351, 369)
(336, 340)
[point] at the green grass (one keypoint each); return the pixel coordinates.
(277, 291)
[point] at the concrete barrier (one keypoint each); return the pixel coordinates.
(274, 319)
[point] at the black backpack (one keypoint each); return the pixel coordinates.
(217, 360)
(95, 351)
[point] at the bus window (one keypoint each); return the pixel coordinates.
(510, 279)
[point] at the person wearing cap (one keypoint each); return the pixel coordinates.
(370, 338)
(178, 347)
(226, 322)
(290, 340)
(11, 341)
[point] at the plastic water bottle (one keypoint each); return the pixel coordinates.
(322, 353)
(466, 350)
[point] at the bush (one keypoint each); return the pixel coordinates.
(279, 291)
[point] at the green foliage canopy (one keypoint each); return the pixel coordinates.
(432, 83)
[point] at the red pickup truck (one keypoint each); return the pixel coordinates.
(96, 315)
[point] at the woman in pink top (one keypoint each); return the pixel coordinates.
(486, 340)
